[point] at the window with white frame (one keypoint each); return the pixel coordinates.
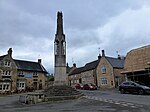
(104, 81)
(35, 74)
(103, 69)
(0, 86)
(71, 81)
(6, 73)
(7, 63)
(21, 85)
(6, 86)
(20, 73)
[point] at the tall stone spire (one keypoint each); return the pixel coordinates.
(59, 23)
(60, 53)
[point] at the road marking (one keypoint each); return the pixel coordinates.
(129, 103)
(139, 105)
(124, 104)
(114, 102)
(105, 100)
(133, 106)
(110, 101)
(117, 103)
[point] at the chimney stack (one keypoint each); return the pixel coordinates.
(99, 57)
(74, 65)
(40, 61)
(10, 52)
(67, 65)
(103, 53)
(119, 57)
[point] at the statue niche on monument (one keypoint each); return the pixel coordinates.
(60, 53)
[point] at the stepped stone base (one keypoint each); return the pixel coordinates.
(55, 93)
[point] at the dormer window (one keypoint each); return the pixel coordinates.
(103, 69)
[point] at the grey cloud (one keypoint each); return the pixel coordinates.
(77, 38)
(87, 24)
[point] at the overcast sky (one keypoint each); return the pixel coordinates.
(29, 27)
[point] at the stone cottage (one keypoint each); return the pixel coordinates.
(20, 75)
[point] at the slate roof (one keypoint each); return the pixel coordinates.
(29, 66)
(1, 57)
(68, 69)
(89, 66)
(77, 71)
(115, 62)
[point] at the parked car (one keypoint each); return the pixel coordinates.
(79, 86)
(89, 87)
(133, 87)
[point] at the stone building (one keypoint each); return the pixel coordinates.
(103, 72)
(18, 75)
(108, 71)
(137, 65)
(85, 74)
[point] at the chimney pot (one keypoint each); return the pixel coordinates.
(67, 65)
(39, 61)
(74, 65)
(103, 53)
(99, 57)
(119, 57)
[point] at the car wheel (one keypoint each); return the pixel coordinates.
(122, 91)
(141, 91)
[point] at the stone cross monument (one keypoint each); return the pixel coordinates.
(60, 53)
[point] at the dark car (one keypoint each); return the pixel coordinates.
(79, 86)
(89, 87)
(133, 87)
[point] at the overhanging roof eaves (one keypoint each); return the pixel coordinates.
(133, 71)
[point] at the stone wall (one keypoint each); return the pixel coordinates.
(109, 75)
(88, 77)
(137, 59)
(13, 72)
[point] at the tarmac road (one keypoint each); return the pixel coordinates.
(84, 104)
